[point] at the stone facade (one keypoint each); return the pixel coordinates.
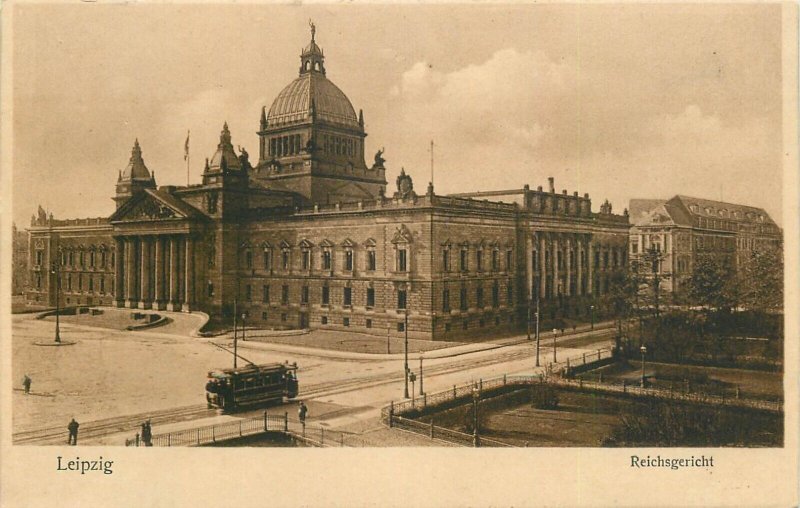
(309, 237)
(685, 229)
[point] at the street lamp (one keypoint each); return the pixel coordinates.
(591, 311)
(643, 349)
(244, 317)
(420, 374)
(405, 345)
(537, 332)
(55, 270)
(555, 331)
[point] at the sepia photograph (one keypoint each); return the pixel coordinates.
(556, 231)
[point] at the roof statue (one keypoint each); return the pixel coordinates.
(405, 186)
(379, 160)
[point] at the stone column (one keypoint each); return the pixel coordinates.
(542, 267)
(188, 268)
(159, 302)
(145, 293)
(130, 273)
(555, 265)
(590, 267)
(172, 298)
(119, 288)
(579, 265)
(529, 265)
(568, 260)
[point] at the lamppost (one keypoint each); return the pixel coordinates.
(555, 332)
(244, 318)
(55, 270)
(476, 395)
(235, 339)
(405, 346)
(420, 374)
(537, 328)
(643, 349)
(591, 311)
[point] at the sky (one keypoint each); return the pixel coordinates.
(620, 101)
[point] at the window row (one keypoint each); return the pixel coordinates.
(70, 283)
(336, 145)
(327, 259)
(285, 145)
(479, 259)
(324, 296)
(479, 297)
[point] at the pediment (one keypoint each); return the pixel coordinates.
(326, 244)
(305, 244)
(370, 242)
(348, 243)
(147, 207)
(402, 235)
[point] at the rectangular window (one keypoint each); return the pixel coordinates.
(463, 264)
(304, 295)
(267, 259)
(306, 259)
(401, 298)
(371, 260)
(346, 321)
(264, 316)
(248, 292)
(326, 295)
(103, 259)
(248, 256)
(446, 260)
(495, 295)
(446, 300)
(285, 259)
(401, 326)
(369, 323)
(69, 282)
(347, 297)
(102, 284)
(91, 259)
(402, 261)
(265, 293)
(479, 297)
(39, 257)
(285, 294)
(80, 282)
(91, 283)
(495, 260)
(635, 247)
(479, 260)
(463, 299)
(596, 259)
(210, 289)
(324, 320)
(283, 317)
(370, 297)
(81, 258)
(348, 261)
(510, 260)
(510, 295)
(326, 260)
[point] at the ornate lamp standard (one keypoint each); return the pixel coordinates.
(591, 311)
(421, 392)
(643, 349)
(476, 395)
(56, 271)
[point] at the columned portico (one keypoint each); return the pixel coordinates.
(119, 256)
(159, 301)
(145, 293)
(173, 299)
(130, 273)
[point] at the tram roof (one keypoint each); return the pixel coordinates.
(249, 369)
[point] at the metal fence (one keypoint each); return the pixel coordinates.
(392, 415)
(303, 434)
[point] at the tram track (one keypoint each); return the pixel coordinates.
(93, 430)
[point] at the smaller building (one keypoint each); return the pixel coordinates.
(19, 260)
(685, 229)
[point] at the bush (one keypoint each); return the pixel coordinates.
(544, 396)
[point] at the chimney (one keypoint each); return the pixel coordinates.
(551, 183)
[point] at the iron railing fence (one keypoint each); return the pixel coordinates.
(311, 435)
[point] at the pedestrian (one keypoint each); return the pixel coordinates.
(147, 434)
(301, 412)
(73, 432)
(26, 382)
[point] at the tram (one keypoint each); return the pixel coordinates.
(229, 389)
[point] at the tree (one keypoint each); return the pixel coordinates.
(622, 289)
(761, 279)
(713, 283)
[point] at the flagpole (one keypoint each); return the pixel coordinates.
(187, 156)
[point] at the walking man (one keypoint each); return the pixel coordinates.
(301, 413)
(26, 383)
(73, 432)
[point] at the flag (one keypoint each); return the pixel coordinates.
(186, 146)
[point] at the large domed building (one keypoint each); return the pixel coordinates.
(308, 236)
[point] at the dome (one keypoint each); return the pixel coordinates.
(136, 169)
(294, 103)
